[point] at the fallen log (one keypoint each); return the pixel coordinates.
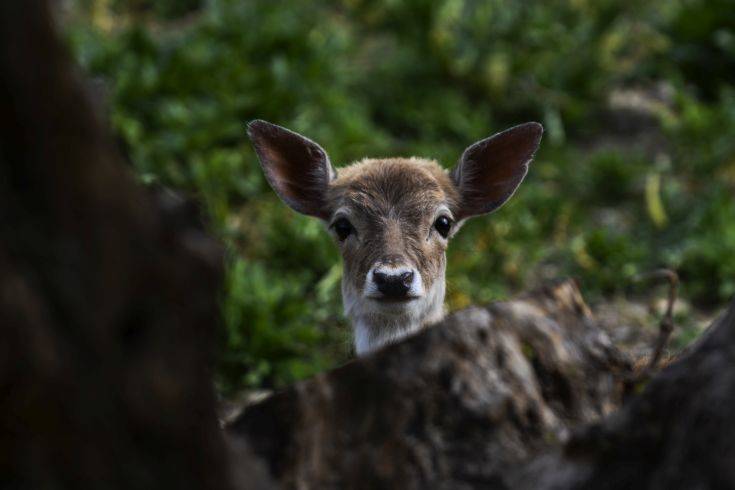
(523, 394)
(678, 434)
(453, 407)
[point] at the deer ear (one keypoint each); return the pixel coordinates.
(297, 168)
(489, 171)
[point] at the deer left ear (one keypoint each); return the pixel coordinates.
(297, 168)
(489, 171)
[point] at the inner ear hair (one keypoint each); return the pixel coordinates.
(490, 170)
(297, 168)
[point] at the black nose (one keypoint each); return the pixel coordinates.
(393, 285)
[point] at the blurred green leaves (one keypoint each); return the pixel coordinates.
(614, 191)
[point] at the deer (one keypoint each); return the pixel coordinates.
(392, 218)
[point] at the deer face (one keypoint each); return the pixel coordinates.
(392, 218)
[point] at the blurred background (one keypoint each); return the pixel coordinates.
(636, 170)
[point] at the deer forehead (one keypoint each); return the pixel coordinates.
(408, 190)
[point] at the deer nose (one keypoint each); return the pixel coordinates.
(393, 284)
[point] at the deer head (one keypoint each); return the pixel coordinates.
(392, 218)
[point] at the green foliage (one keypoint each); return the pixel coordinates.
(428, 78)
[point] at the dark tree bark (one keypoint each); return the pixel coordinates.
(679, 434)
(521, 395)
(108, 297)
(454, 407)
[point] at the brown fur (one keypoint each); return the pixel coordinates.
(391, 208)
(393, 202)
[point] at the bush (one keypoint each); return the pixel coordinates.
(603, 201)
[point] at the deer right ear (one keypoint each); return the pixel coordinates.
(296, 168)
(489, 172)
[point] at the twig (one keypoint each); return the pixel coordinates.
(666, 327)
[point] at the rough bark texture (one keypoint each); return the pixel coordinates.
(453, 407)
(107, 296)
(678, 434)
(487, 399)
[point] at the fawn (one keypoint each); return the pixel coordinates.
(392, 218)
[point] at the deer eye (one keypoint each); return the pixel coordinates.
(342, 228)
(443, 224)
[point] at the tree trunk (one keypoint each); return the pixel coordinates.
(107, 296)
